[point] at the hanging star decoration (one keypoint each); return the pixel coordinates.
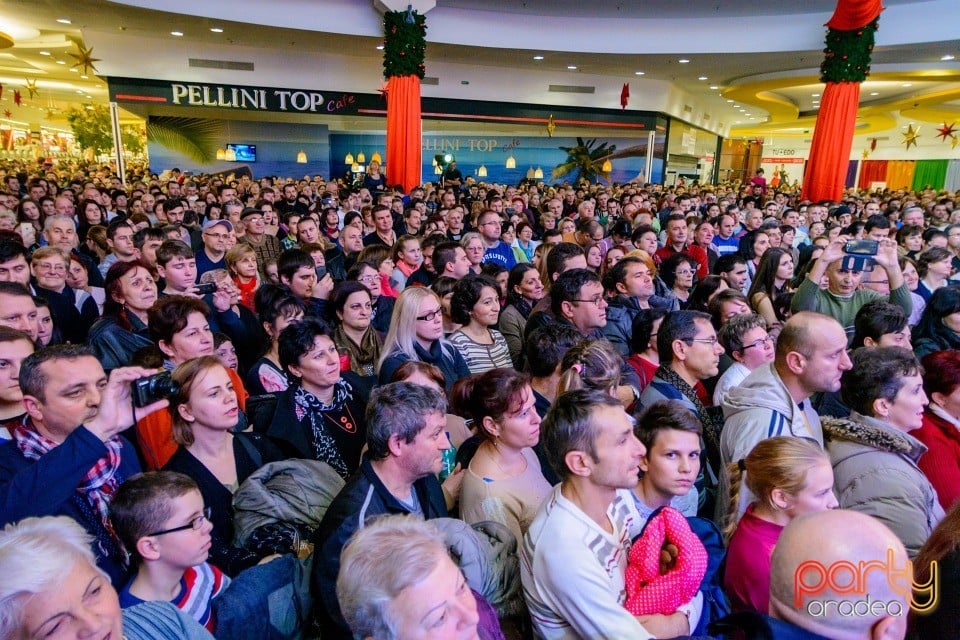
(51, 113)
(84, 58)
(384, 90)
(551, 126)
(910, 137)
(865, 154)
(16, 98)
(31, 88)
(625, 95)
(7, 113)
(953, 142)
(948, 131)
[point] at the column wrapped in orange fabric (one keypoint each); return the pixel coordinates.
(404, 131)
(832, 140)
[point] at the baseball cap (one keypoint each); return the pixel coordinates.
(209, 224)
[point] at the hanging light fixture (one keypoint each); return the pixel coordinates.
(511, 162)
(221, 154)
(376, 157)
(361, 159)
(530, 174)
(437, 171)
(607, 166)
(230, 155)
(482, 171)
(301, 157)
(538, 174)
(355, 168)
(348, 159)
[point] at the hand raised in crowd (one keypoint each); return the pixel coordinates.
(887, 256)
(834, 251)
(115, 411)
(324, 286)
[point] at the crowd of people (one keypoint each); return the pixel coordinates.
(472, 410)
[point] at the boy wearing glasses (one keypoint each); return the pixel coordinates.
(162, 522)
(745, 338)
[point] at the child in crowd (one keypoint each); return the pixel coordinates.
(671, 436)
(177, 266)
(224, 350)
(162, 522)
(791, 477)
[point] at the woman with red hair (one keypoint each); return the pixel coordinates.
(941, 425)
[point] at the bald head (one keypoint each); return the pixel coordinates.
(802, 331)
(809, 568)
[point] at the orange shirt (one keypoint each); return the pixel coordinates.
(155, 431)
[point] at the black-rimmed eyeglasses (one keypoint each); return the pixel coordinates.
(195, 524)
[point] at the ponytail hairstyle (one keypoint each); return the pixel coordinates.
(775, 463)
(492, 394)
(591, 364)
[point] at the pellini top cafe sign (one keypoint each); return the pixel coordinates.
(220, 96)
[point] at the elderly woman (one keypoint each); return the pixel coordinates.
(122, 330)
(52, 588)
(873, 453)
(352, 305)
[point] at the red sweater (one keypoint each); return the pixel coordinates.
(941, 462)
(692, 250)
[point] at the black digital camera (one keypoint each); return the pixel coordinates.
(148, 390)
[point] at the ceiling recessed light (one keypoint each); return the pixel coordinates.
(814, 95)
(947, 57)
(44, 53)
(714, 87)
(729, 100)
(702, 78)
(683, 61)
(874, 93)
(80, 91)
(572, 67)
(538, 57)
(379, 47)
(64, 20)
(84, 77)
(74, 71)
(61, 62)
(176, 33)
(906, 84)
(216, 29)
(639, 73)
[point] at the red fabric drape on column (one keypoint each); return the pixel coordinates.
(404, 133)
(872, 171)
(853, 14)
(832, 141)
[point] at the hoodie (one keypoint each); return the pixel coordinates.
(760, 408)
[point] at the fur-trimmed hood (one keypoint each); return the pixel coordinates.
(873, 433)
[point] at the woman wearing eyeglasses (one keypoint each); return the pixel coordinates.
(679, 272)
(745, 338)
(416, 333)
(204, 410)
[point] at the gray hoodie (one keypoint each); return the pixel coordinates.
(757, 409)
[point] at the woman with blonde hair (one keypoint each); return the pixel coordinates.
(788, 477)
(204, 409)
(416, 333)
(242, 263)
(591, 364)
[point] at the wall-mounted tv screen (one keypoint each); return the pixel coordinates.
(244, 152)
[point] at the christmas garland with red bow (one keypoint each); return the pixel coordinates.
(404, 43)
(846, 57)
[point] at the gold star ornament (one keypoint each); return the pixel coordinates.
(865, 154)
(551, 126)
(910, 137)
(84, 58)
(32, 88)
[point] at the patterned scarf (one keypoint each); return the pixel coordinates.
(100, 482)
(308, 405)
(712, 423)
(363, 357)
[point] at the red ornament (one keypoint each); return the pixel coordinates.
(7, 113)
(625, 95)
(16, 98)
(946, 131)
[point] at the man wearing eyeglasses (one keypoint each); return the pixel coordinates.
(488, 224)
(214, 237)
(67, 457)
(690, 353)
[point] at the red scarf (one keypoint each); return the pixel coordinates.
(247, 291)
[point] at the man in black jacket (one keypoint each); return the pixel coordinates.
(405, 443)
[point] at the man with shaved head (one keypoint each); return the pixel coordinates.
(797, 568)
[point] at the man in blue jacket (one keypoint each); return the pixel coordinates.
(405, 443)
(67, 457)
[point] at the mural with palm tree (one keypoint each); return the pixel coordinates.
(195, 138)
(591, 162)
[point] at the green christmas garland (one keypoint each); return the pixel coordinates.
(847, 55)
(404, 43)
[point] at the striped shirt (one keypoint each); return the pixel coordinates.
(482, 357)
(198, 587)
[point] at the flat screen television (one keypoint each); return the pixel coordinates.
(244, 152)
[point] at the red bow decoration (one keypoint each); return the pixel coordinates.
(625, 95)
(16, 98)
